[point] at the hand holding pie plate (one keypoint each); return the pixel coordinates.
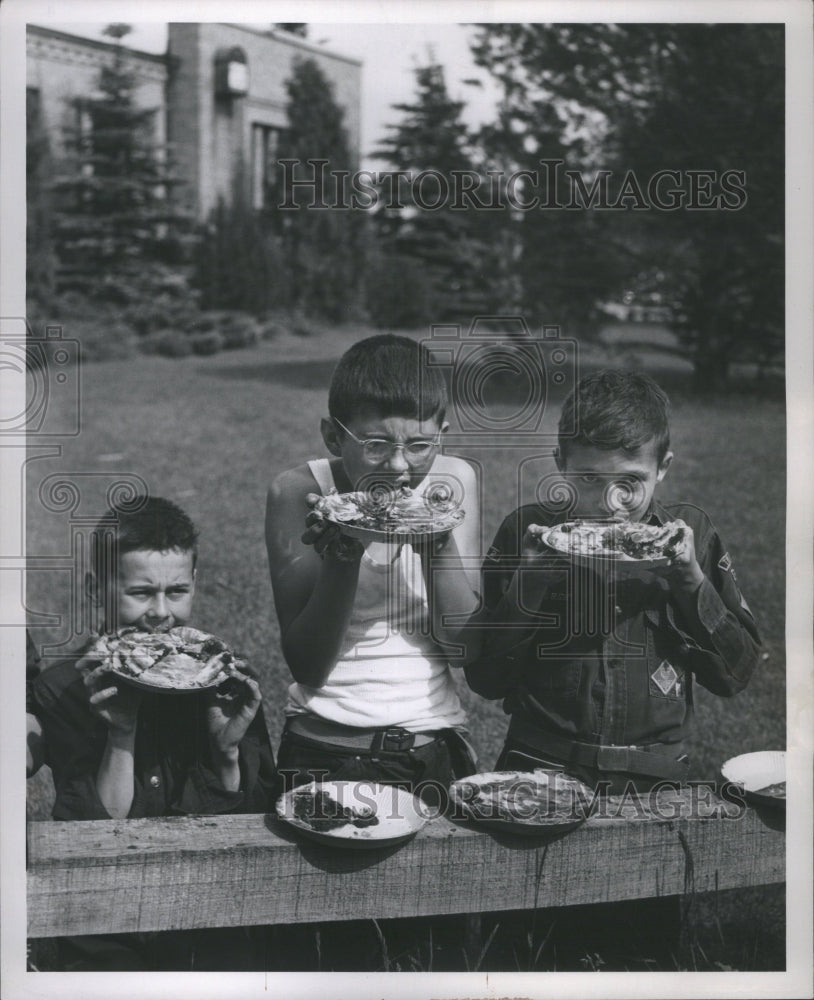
(180, 660)
(617, 543)
(393, 516)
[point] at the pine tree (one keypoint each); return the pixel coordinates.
(452, 246)
(115, 217)
(322, 246)
(39, 245)
(687, 97)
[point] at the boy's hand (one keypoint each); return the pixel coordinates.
(328, 539)
(533, 549)
(532, 544)
(232, 706)
(116, 705)
(683, 571)
(429, 545)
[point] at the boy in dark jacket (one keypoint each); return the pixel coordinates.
(118, 752)
(596, 663)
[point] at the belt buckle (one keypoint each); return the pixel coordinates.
(397, 739)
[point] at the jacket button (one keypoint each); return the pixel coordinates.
(155, 781)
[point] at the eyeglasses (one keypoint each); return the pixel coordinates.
(375, 450)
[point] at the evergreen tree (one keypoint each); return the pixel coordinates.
(456, 252)
(301, 30)
(637, 99)
(321, 241)
(239, 263)
(115, 216)
(39, 246)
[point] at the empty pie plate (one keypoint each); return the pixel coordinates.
(762, 775)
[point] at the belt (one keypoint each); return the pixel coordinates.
(650, 761)
(358, 738)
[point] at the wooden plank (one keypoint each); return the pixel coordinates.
(186, 872)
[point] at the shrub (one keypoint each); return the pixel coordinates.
(271, 328)
(399, 293)
(102, 340)
(165, 314)
(238, 330)
(238, 262)
(207, 342)
(168, 343)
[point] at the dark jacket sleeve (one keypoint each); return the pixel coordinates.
(172, 772)
(509, 627)
(201, 792)
(33, 667)
(74, 741)
(724, 654)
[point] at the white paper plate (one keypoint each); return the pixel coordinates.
(555, 539)
(756, 772)
(145, 685)
(444, 524)
(399, 814)
(434, 519)
(520, 815)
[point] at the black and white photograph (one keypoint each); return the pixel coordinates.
(406, 455)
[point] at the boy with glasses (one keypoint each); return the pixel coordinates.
(363, 627)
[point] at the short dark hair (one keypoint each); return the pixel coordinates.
(146, 524)
(616, 410)
(389, 375)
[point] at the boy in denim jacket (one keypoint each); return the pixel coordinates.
(596, 666)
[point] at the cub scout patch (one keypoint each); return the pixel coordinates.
(725, 564)
(665, 678)
(493, 553)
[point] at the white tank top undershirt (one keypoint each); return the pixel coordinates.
(390, 672)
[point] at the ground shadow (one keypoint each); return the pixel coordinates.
(294, 374)
(503, 387)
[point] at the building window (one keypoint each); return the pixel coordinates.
(265, 147)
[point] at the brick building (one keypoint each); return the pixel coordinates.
(220, 91)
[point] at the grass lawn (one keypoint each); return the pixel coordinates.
(212, 432)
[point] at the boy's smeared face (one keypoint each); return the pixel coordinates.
(154, 590)
(613, 483)
(398, 469)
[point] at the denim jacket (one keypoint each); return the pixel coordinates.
(172, 771)
(612, 663)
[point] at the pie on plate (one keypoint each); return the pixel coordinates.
(522, 802)
(385, 513)
(180, 659)
(352, 813)
(617, 541)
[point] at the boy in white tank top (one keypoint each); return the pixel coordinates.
(368, 647)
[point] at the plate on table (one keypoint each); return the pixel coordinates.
(522, 802)
(619, 543)
(392, 515)
(762, 775)
(356, 814)
(180, 660)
